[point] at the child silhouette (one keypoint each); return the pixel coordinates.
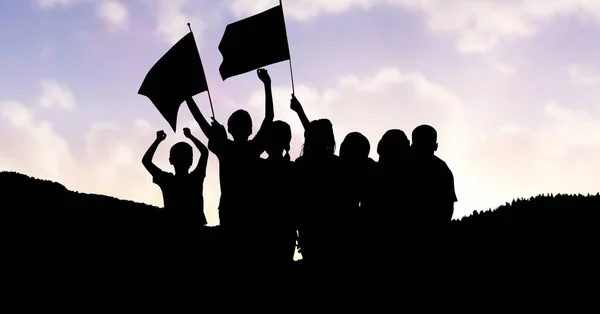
(238, 158)
(182, 191)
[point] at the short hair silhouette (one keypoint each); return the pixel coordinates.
(355, 145)
(393, 142)
(239, 124)
(424, 139)
(319, 138)
(181, 155)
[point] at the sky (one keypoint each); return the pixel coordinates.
(512, 87)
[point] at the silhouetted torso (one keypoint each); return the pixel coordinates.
(387, 198)
(237, 170)
(277, 213)
(321, 224)
(182, 195)
(431, 188)
(357, 176)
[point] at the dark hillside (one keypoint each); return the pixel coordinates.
(548, 241)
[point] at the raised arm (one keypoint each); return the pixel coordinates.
(203, 161)
(297, 107)
(149, 155)
(263, 75)
(204, 125)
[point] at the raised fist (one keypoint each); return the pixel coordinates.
(160, 135)
(187, 132)
(263, 75)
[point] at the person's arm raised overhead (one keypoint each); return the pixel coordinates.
(204, 125)
(203, 161)
(149, 155)
(297, 107)
(263, 75)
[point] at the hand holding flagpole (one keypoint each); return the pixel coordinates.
(241, 48)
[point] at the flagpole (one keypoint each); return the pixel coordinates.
(207, 89)
(210, 102)
(288, 43)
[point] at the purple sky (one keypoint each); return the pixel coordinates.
(511, 86)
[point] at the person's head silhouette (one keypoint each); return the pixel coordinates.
(393, 145)
(424, 140)
(280, 135)
(181, 157)
(355, 147)
(239, 125)
(319, 138)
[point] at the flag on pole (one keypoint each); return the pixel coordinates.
(176, 76)
(254, 42)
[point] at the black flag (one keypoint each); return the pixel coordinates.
(254, 42)
(177, 76)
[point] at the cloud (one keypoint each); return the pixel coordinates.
(558, 155)
(172, 20)
(56, 95)
(114, 13)
(48, 4)
(583, 75)
(35, 147)
(478, 26)
(504, 68)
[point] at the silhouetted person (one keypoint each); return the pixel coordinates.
(236, 158)
(432, 181)
(321, 231)
(393, 148)
(182, 191)
(357, 173)
(183, 217)
(238, 167)
(387, 195)
(390, 176)
(277, 221)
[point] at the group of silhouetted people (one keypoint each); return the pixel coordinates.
(320, 201)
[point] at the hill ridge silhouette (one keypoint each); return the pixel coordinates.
(11, 180)
(544, 244)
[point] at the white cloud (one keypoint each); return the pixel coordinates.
(114, 13)
(172, 21)
(478, 25)
(56, 95)
(557, 155)
(48, 4)
(504, 68)
(583, 75)
(35, 147)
